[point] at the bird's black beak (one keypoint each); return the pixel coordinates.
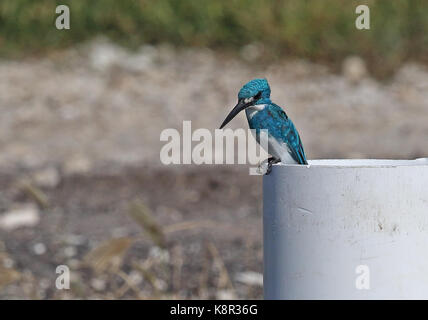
(238, 108)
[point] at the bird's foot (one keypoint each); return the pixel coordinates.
(271, 161)
(262, 167)
(265, 167)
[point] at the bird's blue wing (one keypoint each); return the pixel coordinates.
(291, 136)
(281, 128)
(297, 151)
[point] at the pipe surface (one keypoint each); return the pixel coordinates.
(346, 229)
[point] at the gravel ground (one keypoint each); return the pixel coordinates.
(210, 248)
(81, 183)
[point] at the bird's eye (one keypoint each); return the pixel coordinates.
(258, 95)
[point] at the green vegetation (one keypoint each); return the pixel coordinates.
(319, 30)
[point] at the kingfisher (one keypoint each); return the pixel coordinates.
(284, 143)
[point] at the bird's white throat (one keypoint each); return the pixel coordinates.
(251, 111)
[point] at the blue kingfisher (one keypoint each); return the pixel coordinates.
(284, 144)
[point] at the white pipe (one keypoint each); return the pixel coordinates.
(346, 229)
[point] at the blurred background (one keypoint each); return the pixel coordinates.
(81, 183)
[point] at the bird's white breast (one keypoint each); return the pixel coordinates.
(251, 111)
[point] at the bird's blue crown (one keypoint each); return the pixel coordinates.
(253, 87)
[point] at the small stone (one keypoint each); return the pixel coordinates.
(250, 278)
(77, 164)
(98, 284)
(39, 248)
(70, 252)
(354, 69)
(47, 177)
(104, 54)
(159, 254)
(135, 277)
(23, 216)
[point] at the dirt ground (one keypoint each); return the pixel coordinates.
(79, 164)
(210, 219)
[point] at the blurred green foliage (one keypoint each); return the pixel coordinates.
(319, 30)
